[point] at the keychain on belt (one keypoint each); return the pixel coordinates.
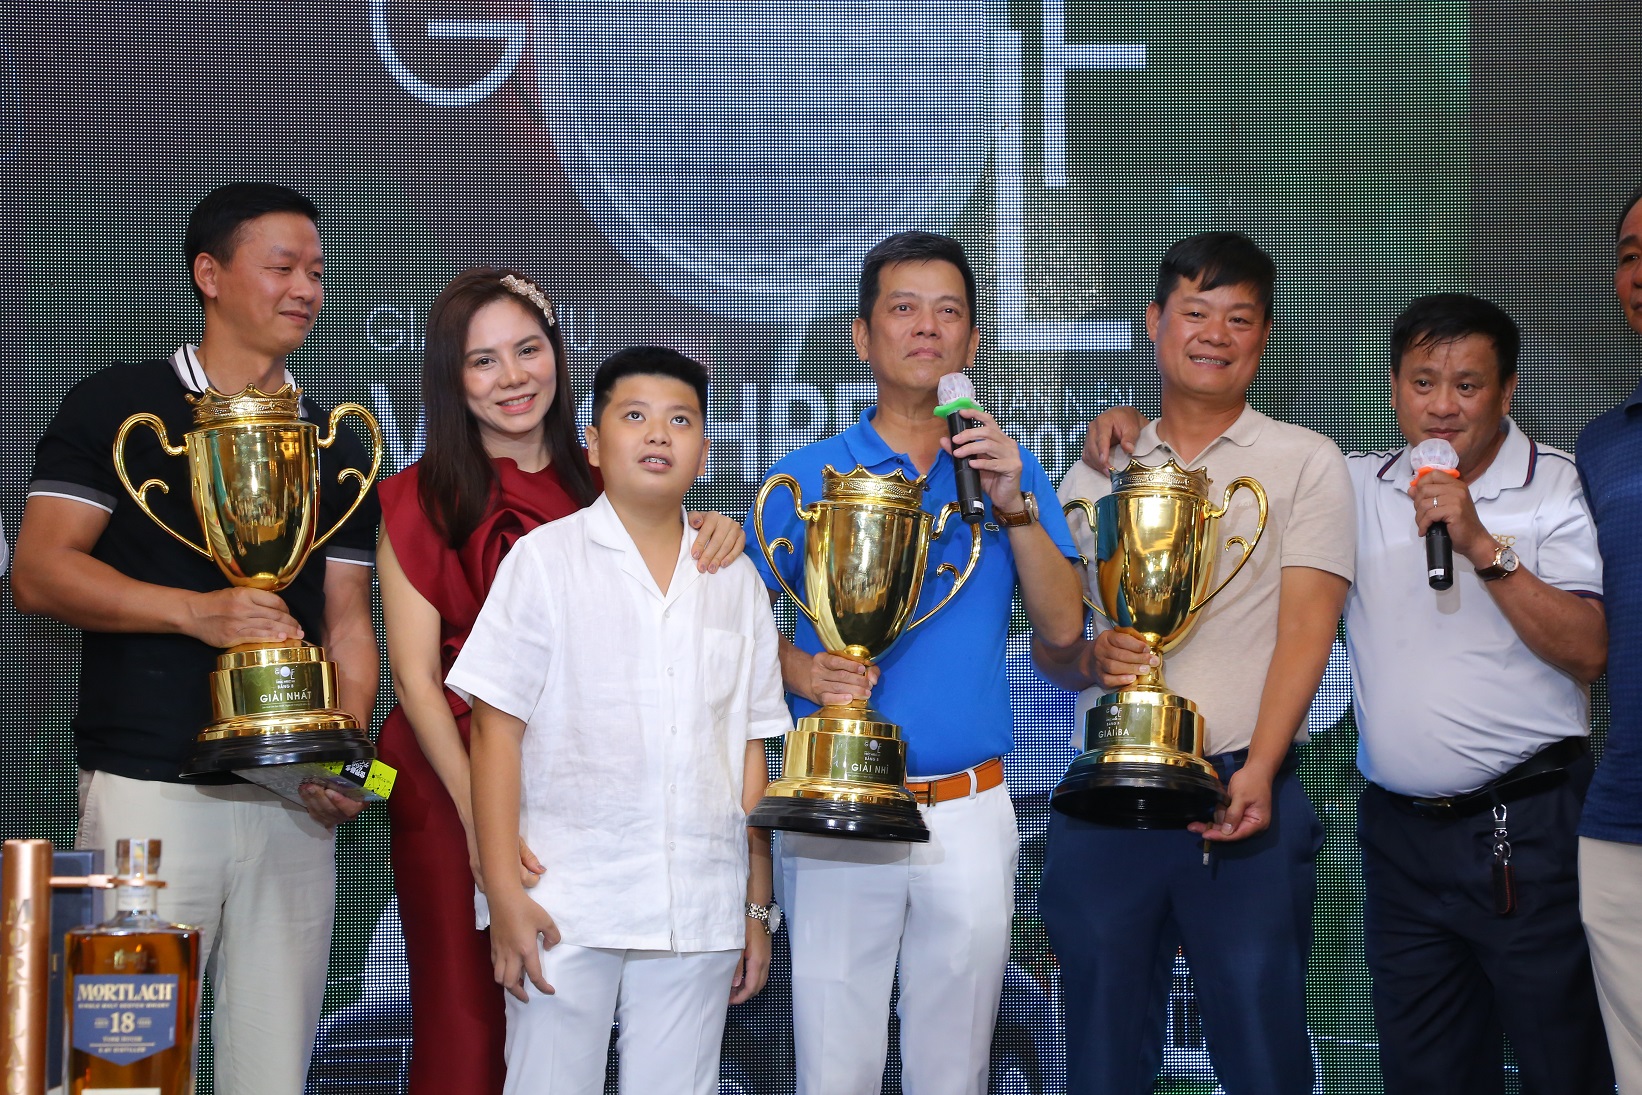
(1505, 893)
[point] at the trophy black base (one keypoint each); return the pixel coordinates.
(1143, 768)
(276, 704)
(1133, 795)
(230, 754)
(843, 773)
(862, 820)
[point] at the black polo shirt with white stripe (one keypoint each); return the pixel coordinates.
(143, 697)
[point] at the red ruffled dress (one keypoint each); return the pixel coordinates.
(457, 1021)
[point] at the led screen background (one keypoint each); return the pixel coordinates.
(707, 175)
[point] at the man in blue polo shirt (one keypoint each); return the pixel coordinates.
(940, 911)
(1610, 835)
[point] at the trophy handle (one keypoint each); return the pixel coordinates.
(1088, 509)
(1242, 482)
(338, 413)
(947, 512)
(767, 547)
(139, 495)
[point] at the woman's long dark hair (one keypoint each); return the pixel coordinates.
(457, 483)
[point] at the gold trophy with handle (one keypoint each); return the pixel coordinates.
(1142, 765)
(843, 770)
(254, 472)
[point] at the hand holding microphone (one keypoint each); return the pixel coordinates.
(956, 393)
(1434, 455)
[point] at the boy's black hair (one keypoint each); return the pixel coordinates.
(647, 361)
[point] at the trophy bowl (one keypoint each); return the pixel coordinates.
(843, 770)
(254, 475)
(1142, 765)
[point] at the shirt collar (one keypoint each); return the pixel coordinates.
(186, 364)
(1512, 468)
(1243, 433)
(604, 527)
(867, 447)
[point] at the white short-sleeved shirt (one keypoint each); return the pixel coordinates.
(1222, 664)
(1447, 695)
(638, 707)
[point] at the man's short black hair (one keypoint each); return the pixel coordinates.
(213, 226)
(1440, 318)
(647, 361)
(1216, 259)
(1630, 203)
(913, 247)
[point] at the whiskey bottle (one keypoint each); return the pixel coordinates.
(132, 992)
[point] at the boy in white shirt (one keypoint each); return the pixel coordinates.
(621, 702)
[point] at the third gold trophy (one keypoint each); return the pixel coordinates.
(254, 473)
(1155, 553)
(843, 769)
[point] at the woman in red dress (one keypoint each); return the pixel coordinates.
(502, 457)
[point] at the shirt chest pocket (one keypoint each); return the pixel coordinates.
(721, 670)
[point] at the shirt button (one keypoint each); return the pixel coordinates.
(666, 613)
(672, 788)
(671, 845)
(672, 729)
(669, 671)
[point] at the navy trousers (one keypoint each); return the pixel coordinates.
(1452, 978)
(1118, 903)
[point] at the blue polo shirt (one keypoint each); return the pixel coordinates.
(1610, 463)
(945, 683)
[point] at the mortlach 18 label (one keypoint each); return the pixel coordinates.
(126, 1017)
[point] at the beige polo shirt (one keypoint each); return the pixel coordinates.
(1222, 664)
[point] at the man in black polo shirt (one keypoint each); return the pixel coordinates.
(252, 870)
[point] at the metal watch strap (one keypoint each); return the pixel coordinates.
(761, 913)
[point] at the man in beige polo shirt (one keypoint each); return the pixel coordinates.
(1237, 893)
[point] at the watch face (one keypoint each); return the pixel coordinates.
(775, 918)
(1508, 560)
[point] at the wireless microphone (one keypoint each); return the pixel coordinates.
(956, 393)
(1436, 455)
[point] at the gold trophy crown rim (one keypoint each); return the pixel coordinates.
(859, 486)
(1167, 476)
(249, 405)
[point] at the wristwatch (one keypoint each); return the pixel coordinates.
(767, 915)
(1021, 516)
(1505, 562)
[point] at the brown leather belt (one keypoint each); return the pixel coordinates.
(971, 781)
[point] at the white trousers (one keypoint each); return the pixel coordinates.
(671, 1008)
(941, 911)
(1610, 895)
(257, 876)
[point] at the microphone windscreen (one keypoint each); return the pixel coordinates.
(952, 387)
(1434, 452)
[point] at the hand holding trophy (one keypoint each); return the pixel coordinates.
(843, 770)
(254, 474)
(1143, 765)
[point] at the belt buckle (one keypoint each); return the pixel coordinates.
(1448, 804)
(924, 796)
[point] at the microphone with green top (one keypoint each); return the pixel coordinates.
(956, 393)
